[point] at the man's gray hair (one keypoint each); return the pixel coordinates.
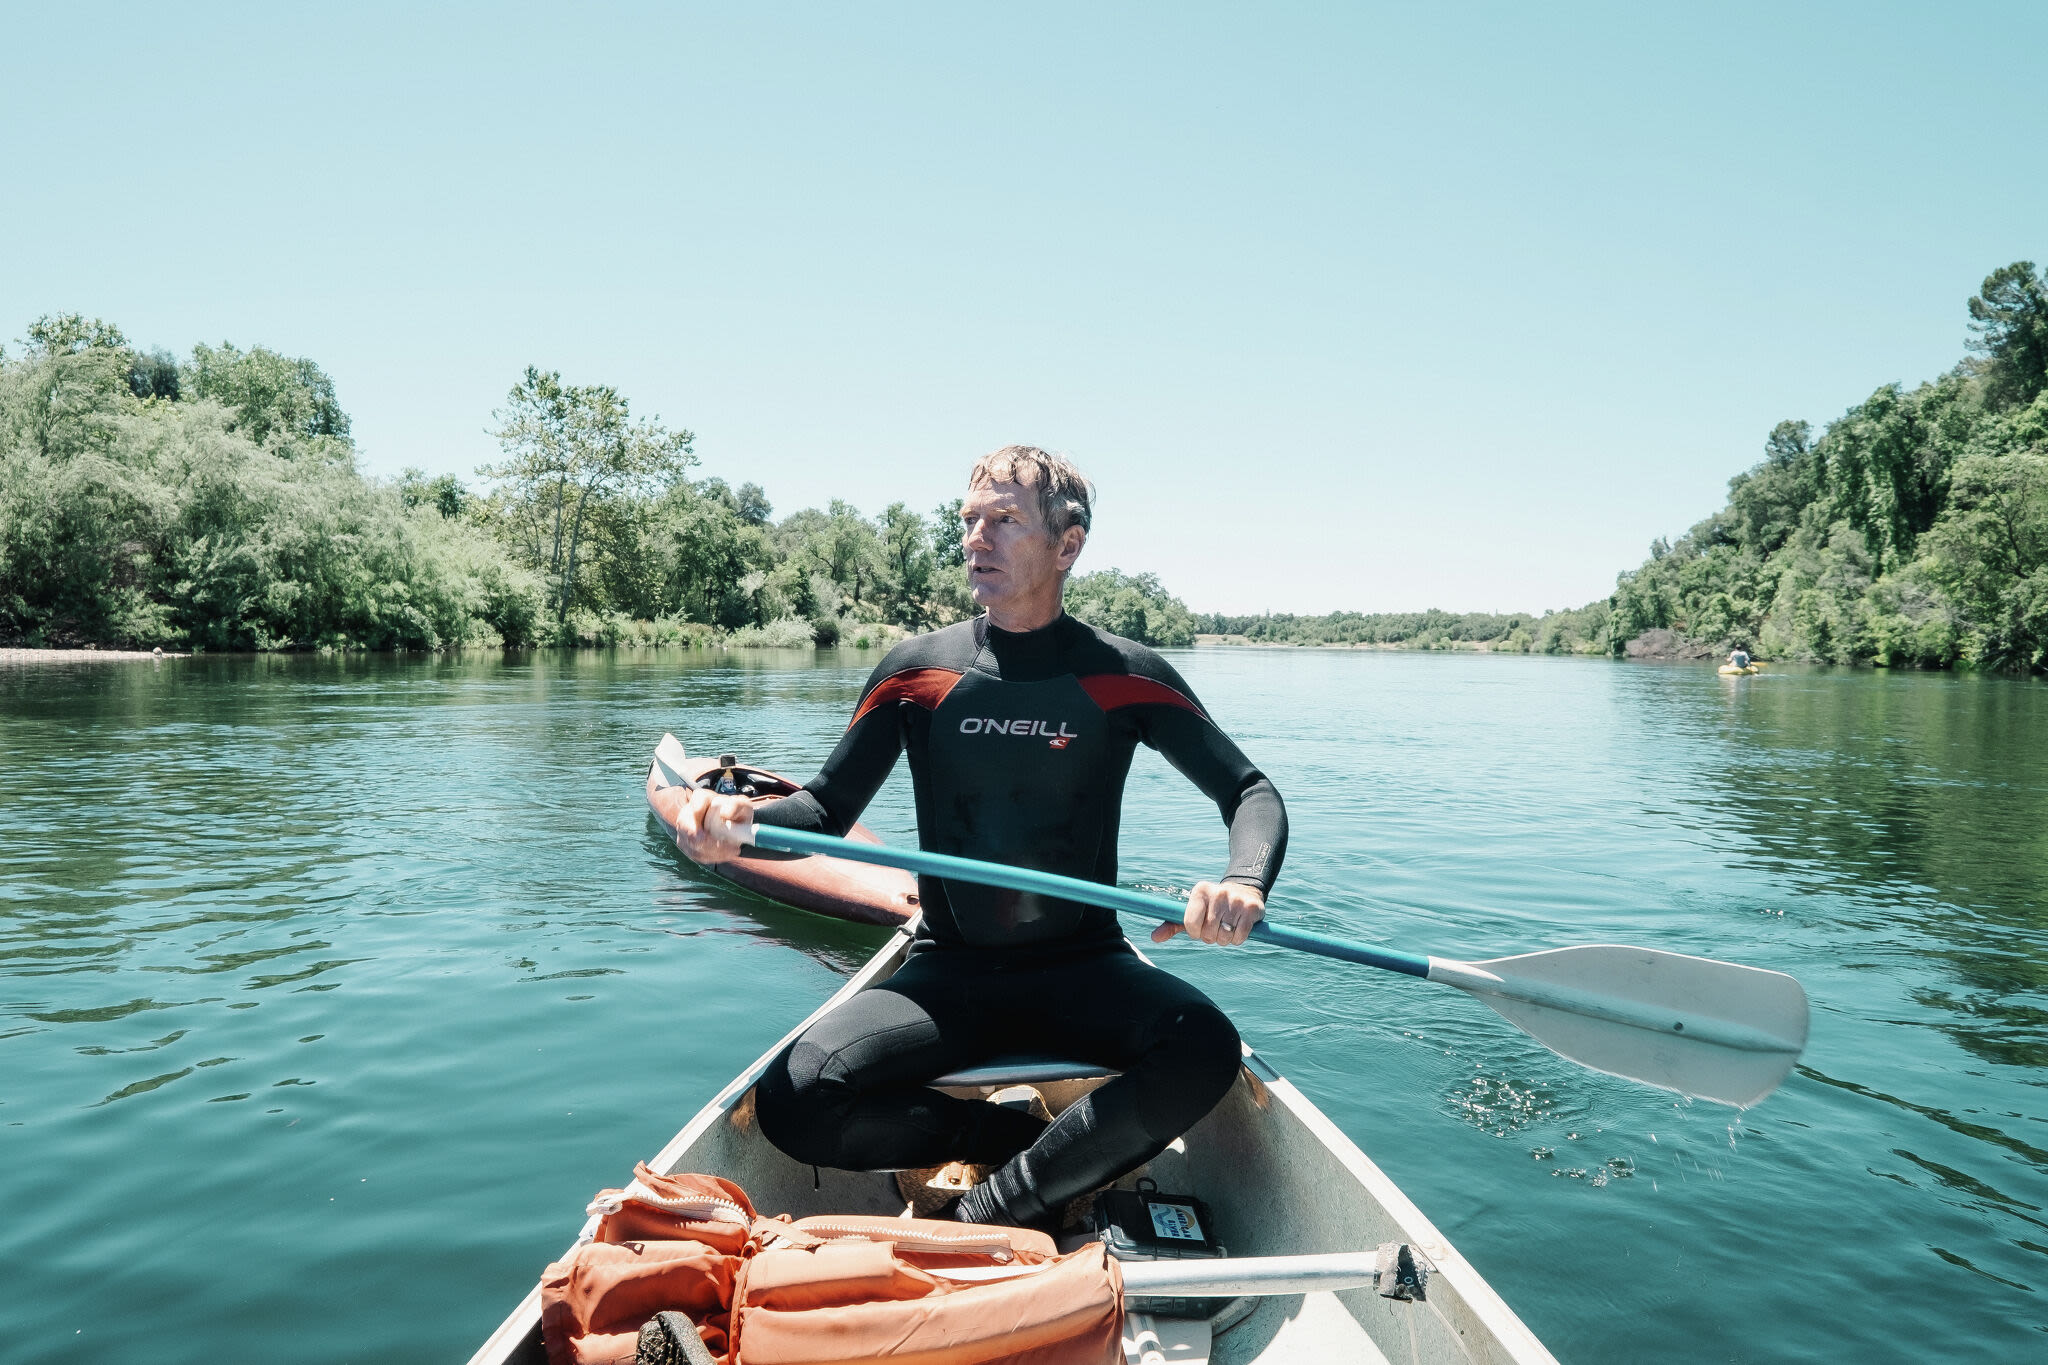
(1065, 497)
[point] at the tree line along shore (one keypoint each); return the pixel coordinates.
(216, 502)
(1913, 530)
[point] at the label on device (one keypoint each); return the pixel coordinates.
(1145, 1225)
(1177, 1221)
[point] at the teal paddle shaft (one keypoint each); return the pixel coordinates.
(1714, 1030)
(1067, 888)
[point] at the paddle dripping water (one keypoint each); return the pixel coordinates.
(330, 990)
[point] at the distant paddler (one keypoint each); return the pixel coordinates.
(1020, 726)
(1738, 662)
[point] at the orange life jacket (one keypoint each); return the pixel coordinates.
(825, 1289)
(837, 1289)
(667, 1241)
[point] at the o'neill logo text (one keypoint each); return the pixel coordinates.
(982, 725)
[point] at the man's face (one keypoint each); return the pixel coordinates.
(1011, 563)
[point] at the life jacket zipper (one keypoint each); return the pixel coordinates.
(698, 1208)
(997, 1247)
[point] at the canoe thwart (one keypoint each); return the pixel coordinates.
(1395, 1271)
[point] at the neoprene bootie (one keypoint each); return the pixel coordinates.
(671, 1339)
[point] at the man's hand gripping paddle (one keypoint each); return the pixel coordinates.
(1712, 1030)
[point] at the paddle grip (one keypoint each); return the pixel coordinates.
(1067, 888)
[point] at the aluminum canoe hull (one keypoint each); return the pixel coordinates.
(1280, 1178)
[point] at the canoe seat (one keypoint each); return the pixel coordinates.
(1024, 1069)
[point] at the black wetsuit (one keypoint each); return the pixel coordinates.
(1019, 746)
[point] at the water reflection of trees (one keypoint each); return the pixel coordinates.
(1920, 804)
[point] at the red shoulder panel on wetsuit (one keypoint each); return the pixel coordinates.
(1111, 690)
(925, 686)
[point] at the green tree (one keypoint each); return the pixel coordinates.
(909, 563)
(1989, 553)
(842, 548)
(947, 551)
(1767, 500)
(56, 334)
(65, 393)
(80, 517)
(268, 393)
(1885, 464)
(751, 502)
(950, 598)
(570, 450)
(1135, 606)
(154, 376)
(1900, 535)
(2009, 317)
(699, 553)
(1820, 600)
(444, 492)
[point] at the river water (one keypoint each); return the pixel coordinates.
(330, 989)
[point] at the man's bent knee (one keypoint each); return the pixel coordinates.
(797, 1109)
(1188, 1070)
(1213, 1050)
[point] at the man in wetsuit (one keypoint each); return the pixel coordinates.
(1020, 725)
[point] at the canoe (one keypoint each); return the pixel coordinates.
(1279, 1179)
(859, 892)
(1731, 671)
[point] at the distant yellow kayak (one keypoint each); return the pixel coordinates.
(1731, 671)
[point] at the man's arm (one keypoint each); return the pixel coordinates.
(1247, 800)
(828, 804)
(832, 801)
(1223, 911)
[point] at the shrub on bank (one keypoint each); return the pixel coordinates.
(225, 513)
(791, 632)
(665, 632)
(869, 634)
(824, 632)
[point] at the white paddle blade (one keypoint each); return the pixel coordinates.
(1712, 1030)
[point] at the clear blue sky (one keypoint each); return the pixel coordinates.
(1342, 305)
